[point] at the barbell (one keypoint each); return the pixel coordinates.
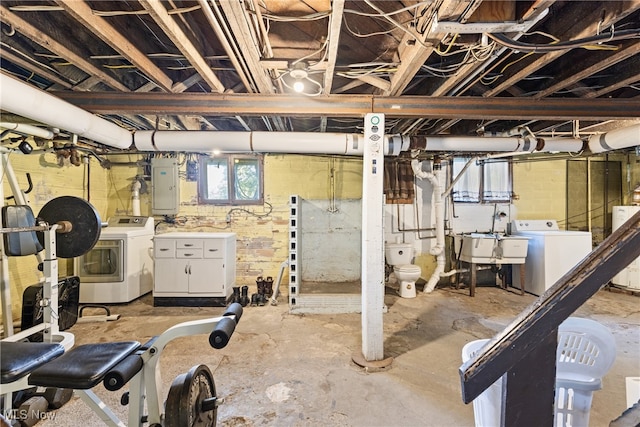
(78, 226)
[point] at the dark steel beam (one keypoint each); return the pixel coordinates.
(354, 106)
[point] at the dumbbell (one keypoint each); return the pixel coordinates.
(55, 397)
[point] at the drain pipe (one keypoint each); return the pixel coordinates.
(436, 179)
(135, 197)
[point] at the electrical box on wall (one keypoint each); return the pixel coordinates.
(165, 186)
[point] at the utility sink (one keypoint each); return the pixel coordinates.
(489, 248)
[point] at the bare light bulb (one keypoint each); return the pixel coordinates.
(298, 86)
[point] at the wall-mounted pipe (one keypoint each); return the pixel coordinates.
(27, 101)
(436, 178)
(615, 139)
(26, 129)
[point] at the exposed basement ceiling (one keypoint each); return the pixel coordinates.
(230, 65)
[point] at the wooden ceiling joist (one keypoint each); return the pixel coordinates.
(82, 12)
(58, 48)
(179, 38)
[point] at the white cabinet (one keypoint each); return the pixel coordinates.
(194, 269)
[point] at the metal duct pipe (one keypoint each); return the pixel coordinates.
(28, 130)
(616, 139)
(27, 101)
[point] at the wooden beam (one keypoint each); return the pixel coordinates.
(378, 82)
(413, 51)
(465, 70)
(590, 19)
(337, 11)
(23, 27)
(158, 12)
(99, 26)
(236, 14)
(37, 69)
(354, 106)
(215, 23)
(575, 75)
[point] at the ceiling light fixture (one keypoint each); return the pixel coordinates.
(299, 73)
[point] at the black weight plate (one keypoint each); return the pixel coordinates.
(85, 222)
(183, 407)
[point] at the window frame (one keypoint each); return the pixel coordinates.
(231, 179)
(482, 198)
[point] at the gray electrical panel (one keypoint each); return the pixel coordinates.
(165, 186)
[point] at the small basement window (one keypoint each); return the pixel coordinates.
(485, 182)
(231, 180)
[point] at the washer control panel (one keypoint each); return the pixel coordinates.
(534, 225)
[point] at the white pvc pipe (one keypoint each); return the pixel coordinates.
(27, 101)
(135, 198)
(564, 145)
(436, 179)
(28, 129)
(193, 141)
(616, 139)
(260, 142)
(307, 142)
(479, 143)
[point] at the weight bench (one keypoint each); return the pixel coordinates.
(118, 363)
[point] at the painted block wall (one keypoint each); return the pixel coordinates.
(541, 189)
(261, 231)
(262, 241)
(51, 180)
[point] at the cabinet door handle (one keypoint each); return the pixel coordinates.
(185, 269)
(189, 269)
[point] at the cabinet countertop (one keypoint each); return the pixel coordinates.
(193, 235)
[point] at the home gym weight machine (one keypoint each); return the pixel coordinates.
(67, 227)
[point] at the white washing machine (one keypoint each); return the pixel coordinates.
(629, 277)
(551, 252)
(119, 268)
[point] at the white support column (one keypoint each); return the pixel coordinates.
(372, 238)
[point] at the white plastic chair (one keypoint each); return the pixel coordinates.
(586, 351)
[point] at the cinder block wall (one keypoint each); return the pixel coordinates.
(262, 241)
(541, 189)
(261, 231)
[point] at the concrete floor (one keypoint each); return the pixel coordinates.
(282, 369)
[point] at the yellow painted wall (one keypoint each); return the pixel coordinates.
(540, 188)
(262, 242)
(261, 233)
(50, 180)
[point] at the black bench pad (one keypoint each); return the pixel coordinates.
(17, 359)
(82, 367)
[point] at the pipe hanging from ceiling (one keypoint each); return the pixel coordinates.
(615, 139)
(26, 129)
(27, 101)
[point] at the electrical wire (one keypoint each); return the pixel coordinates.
(572, 44)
